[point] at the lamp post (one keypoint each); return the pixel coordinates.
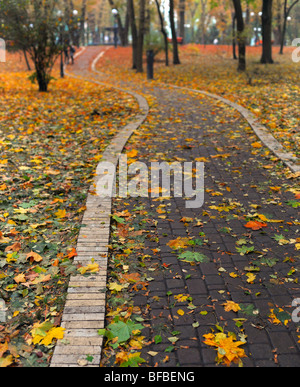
(114, 11)
(60, 16)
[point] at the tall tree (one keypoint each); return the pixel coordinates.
(134, 32)
(203, 17)
(240, 35)
(182, 19)
(174, 36)
(82, 21)
(286, 11)
(163, 31)
(267, 32)
(37, 26)
(138, 34)
(233, 20)
(140, 40)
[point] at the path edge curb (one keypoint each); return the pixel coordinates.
(260, 130)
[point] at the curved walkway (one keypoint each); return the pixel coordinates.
(237, 185)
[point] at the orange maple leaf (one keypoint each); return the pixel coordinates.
(255, 225)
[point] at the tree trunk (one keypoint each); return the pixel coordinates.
(240, 35)
(286, 13)
(283, 29)
(182, 19)
(174, 36)
(163, 31)
(267, 32)
(126, 27)
(140, 40)
(26, 60)
(234, 36)
(42, 79)
(82, 22)
(202, 20)
(134, 33)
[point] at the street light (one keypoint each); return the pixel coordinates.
(60, 15)
(115, 12)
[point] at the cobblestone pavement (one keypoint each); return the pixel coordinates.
(257, 269)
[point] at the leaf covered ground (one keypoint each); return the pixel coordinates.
(213, 285)
(50, 145)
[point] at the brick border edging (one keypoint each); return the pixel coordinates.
(84, 311)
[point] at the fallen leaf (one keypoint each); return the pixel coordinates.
(34, 257)
(255, 225)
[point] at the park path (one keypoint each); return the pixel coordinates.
(243, 181)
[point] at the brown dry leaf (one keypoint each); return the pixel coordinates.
(20, 278)
(15, 247)
(178, 243)
(34, 256)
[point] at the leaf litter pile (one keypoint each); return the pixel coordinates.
(212, 285)
(50, 146)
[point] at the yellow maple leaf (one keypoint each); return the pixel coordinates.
(230, 305)
(202, 159)
(137, 343)
(132, 153)
(227, 347)
(181, 297)
(275, 188)
(180, 312)
(256, 145)
(263, 218)
(92, 268)
(115, 287)
(54, 333)
(44, 333)
(274, 319)
(60, 214)
(251, 277)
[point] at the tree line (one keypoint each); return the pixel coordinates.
(43, 29)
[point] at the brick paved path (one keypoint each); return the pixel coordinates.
(183, 127)
(240, 181)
